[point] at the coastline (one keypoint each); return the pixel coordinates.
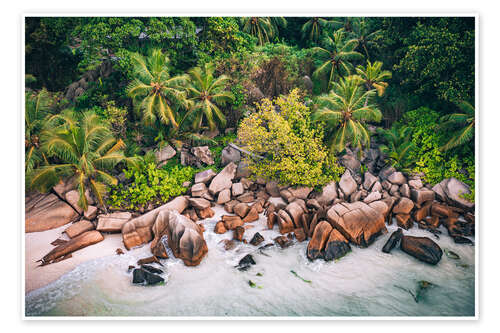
(37, 244)
(361, 282)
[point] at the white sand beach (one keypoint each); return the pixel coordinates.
(37, 244)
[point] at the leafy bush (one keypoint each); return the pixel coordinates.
(239, 96)
(220, 37)
(121, 36)
(430, 159)
(292, 150)
(439, 59)
(149, 184)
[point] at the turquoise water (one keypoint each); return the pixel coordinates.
(366, 282)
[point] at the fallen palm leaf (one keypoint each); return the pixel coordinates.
(297, 275)
(422, 287)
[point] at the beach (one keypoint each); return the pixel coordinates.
(37, 244)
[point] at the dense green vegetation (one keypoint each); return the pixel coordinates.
(149, 185)
(173, 79)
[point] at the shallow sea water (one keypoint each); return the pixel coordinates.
(366, 282)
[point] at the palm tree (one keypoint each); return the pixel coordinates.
(154, 92)
(83, 146)
(398, 147)
(366, 38)
(374, 77)
(312, 29)
(336, 56)
(343, 112)
(260, 27)
(37, 107)
(464, 120)
(345, 23)
(207, 92)
(278, 22)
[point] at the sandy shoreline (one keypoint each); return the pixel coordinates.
(37, 244)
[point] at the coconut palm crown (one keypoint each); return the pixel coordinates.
(313, 28)
(367, 39)
(36, 110)
(344, 114)
(465, 121)
(84, 149)
(374, 77)
(156, 95)
(207, 93)
(260, 27)
(398, 146)
(336, 56)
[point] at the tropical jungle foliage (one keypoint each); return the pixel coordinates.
(101, 92)
(85, 148)
(344, 110)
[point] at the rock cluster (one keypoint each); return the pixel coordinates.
(352, 211)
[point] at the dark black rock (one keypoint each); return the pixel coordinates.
(393, 241)
(335, 250)
(152, 269)
(138, 276)
(422, 248)
(152, 279)
(245, 262)
(462, 240)
(256, 239)
(141, 276)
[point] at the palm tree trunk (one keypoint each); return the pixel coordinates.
(366, 51)
(366, 100)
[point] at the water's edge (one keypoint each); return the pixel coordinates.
(366, 282)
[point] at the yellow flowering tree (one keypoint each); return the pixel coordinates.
(286, 147)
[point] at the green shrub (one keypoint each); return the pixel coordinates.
(238, 92)
(430, 159)
(149, 184)
(292, 150)
(221, 37)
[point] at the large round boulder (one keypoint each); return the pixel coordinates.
(47, 211)
(455, 191)
(328, 194)
(318, 240)
(229, 154)
(138, 231)
(358, 222)
(347, 184)
(336, 246)
(422, 248)
(183, 237)
(223, 180)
